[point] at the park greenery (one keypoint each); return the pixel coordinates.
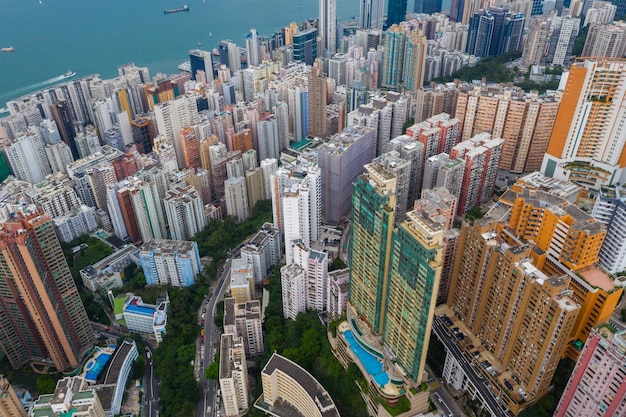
(305, 342)
(174, 357)
(491, 68)
(92, 251)
(220, 236)
(336, 263)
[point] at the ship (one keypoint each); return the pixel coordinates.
(185, 8)
(68, 74)
(9, 49)
(4, 110)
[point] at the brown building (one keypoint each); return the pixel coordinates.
(42, 318)
(191, 152)
(10, 405)
(524, 121)
(522, 316)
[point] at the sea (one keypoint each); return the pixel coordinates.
(51, 37)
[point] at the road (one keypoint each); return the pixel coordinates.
(490, 401)
(206, 351)
(151, 388)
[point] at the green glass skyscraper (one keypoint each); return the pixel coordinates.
(396, 12)
(414, 272)
(394, 274)
(373, 202)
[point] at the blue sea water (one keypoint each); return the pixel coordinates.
(95, 36)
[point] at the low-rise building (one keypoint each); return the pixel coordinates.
(105, 274)
(71, 397)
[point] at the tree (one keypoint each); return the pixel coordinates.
(213, 370)
(623, 314)
(337, 263)
(139, 368)
(474, 213)
(46, 383)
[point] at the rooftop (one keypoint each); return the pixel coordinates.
(597, 278)
(318, 394)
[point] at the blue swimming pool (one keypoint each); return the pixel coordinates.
(373, 366)
(94, 367)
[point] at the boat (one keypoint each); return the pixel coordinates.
(4, 110)
(185, 8)
(68, 74)
(9, 49)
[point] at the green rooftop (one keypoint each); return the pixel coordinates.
(300, 145)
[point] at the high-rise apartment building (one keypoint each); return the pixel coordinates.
(302, 210)
(521, 315)
(524, 121)
(328, 25)
(394, 42)
(252, 46)
(557, 227)
(189, 144)
(236, 195)
(610, 210)
(396, 12)
(173, 262)
(414, 273)
(27, 158)
(317, 96)
(185, 212)
(564, 30)
(481, 155)
(173, 116)
(10, 404)
(607, 40)
(43, 318)
(392, 269)
(263, 251)
(597, 386)
(373, 202)
(233, 374)
(341, 160)
(245, 320)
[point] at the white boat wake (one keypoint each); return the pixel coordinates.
(33, 87)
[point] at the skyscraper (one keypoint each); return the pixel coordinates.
(610, 209)
(317, 96)
(252, 45)
(587, 145)
(394, 274)
(524, 317)
(371, 14)
(328, 25)
(201, 62)
(393, 58)
(597, 386)
(42, 315)
(427, 6)
(396, 12)
(305, 46)
(373, 202)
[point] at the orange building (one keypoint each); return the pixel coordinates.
(557, 227)
(587, 144)
(191, 151)
(43, 319)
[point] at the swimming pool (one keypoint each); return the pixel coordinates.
(95, 366)
(373, 366)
